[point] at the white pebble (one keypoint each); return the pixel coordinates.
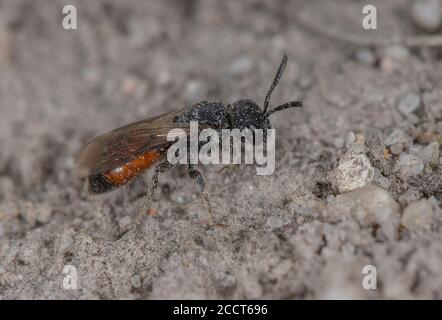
(370, 205)
(275, 222)
(353, 172)
(365, 56)
(194, 90)
(397, 53)
(135, 281)
(240, 65)
(409, 104)
(124, 222)
(349, 139)
(426, 14)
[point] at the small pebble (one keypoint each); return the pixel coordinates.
(303, 211)
(349, 139)
(179, 199)
(354, 171)
(409, 104)
(380, 180)
(281, 269)
(397, 141)
(415, 149)
(135, 280)
(408, 166)
(44, 212)
(275, 222)
(426, 14)
(124, 222)
(397, 53)
(393, 57)
(358, 145)
(241, 65)
(430, 154)
(194, 90)
(372, 205)
(365, 56)
(151, 212)
(418, 216)
(300, 220)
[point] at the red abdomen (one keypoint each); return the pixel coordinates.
(123, 174)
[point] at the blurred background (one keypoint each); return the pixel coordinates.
(133, 59)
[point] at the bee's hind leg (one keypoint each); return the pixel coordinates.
(160, 168)
(196, 175)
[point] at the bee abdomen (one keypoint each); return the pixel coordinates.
(99, 184)
(104, 182)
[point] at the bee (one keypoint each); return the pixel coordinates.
(118, 157)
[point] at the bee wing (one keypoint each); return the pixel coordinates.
(115, 148)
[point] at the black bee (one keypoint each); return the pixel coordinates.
(117, 157)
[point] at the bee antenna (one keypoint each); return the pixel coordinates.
(275, 82)
(291, 104)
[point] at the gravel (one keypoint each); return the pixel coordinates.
(427, 14)
(409, 104)
(408, 166)
(380, 180)
(353, 171)
(365, 56)
(397, 53)
(125, 222)
(275, 222)
(393, 57)
(339, 199)
(397, 141)
(430, 154)
(135, 280)
(418, 216)
(350, 139)
(370, 205)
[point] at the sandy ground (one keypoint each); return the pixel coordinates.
(372, 119)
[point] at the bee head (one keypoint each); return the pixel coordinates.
(247, 114)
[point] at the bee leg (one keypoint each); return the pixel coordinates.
(160, 168)
(196, 175)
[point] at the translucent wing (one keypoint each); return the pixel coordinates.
(117, 147)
